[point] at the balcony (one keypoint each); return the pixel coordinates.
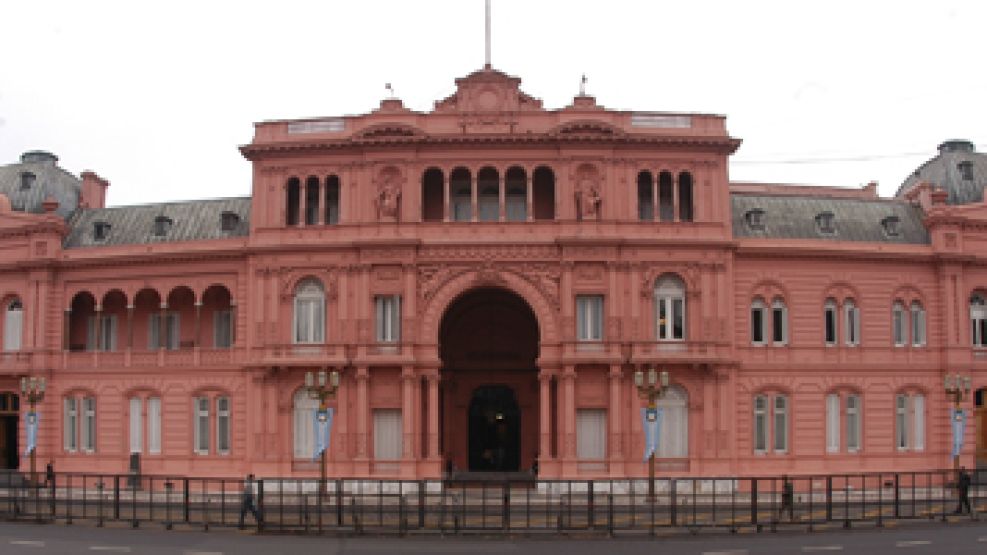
(184, 358)
(16, 362)
(645, 352)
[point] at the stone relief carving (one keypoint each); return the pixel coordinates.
(388, 201)
(545, 277)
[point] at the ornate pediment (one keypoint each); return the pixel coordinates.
(586, 128)
(488, 91)
(388, 131)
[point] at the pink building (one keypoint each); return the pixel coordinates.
(487, 277)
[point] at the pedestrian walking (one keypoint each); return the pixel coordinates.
(247, 503)
(963, 489)
(787, 498)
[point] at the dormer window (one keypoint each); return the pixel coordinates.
(755, 219)
(826, 223)
(162, 224)
(228, 221)
(100, 231)
(966, 170)
(891, 226)
(27, 180)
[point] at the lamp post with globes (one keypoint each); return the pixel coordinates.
(957, 389)
(33, 389)
(650, 384)
(322, 385)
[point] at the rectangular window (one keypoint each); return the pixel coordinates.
(591, 434)
(101, 333)
(589, 317)
(200, 417)
(757, 325)
(222, 325)
(89, 424)
(853, 423)
(154, 425)
(309, 320)
(781, 424)
(918, 417)
(852, 324)
(760, 423)
(71, 424)
(901, 422)
(832, 423)
(223, 425)
(830, 324)
(898, 326)
(678, 319)
(388, 318)
(136, 424)
(918, 326)
(13, 328)
(778, 320)
(171, 335)
(387, 434)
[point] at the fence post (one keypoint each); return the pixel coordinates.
(829, 498)
(116, 496)
(757, 526)
(99, 504)
(53, 495)
(610, 512)
(186, 499)
(674, 497)
(897, 495)
(260, 504)
(421, 504)
(506, 507)
(880, 500)
(168, 487)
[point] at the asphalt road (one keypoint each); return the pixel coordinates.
(33, 539)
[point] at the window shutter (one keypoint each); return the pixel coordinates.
(13, 329)
(91, 333)
(832, 423)
(918, 406)
(154, 425)
(71, 427)
(781, 423)
(223, 425)
(174, 330)
(153, 331)
(387, 434)
(135, 425)
(591, 434)
(89, 424)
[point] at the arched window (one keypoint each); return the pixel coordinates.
(674, 432)
(670, 308)
(332, 200)
(918, 324)
(779, 322)
(292, 201)
(645, 197)
(909, 421)
(771, 418)
(843, 412)
(516, 195)
(829, 321)
(309, 321)
(305, 408)
(685, 197)
(978, 320)
(488, 201)
(851, 322)
(543, 192)
(759, 322)
(433, 203)
(13, 325)
(666, 206)
(312, 201)
(898, 324)
(461, 193)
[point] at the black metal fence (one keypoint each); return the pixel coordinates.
(614, 507)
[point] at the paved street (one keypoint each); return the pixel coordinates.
(31, 539)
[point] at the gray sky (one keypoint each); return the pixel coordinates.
(156, 96)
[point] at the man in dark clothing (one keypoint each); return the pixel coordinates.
(963, 489)
(248, 501)
(787, 498)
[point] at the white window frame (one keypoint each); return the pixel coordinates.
(309, 316)
(589, 317)
(833, 403)
(387, 320)
(780, 419)
(387, 448)
(899, 324)
(761, 423)
(224, 419)
(88, 425)
(154, 425)
(304, 407)
(851, 322)
(13, 326)
(854, 422)
(670, 305)
(978, 320)
(918, 421)
(136, 424)
(173, 331)
(758, 322)
(71, 424)
(779, 326)
(200, 424)
(901, 423)
(917, 312)
(830, 319)
(222, 329)
(591, 434)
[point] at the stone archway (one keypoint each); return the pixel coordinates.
(488, 344)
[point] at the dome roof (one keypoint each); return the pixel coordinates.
(27, 184)
(958, 169)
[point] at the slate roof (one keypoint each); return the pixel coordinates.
(944, 172)
(192, 220)
(50, 180)
(794, 217)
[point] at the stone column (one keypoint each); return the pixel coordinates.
(198, 324)
(569, 412)
(433, 414)
(302, 201)
(473, 197)
(130, 327)
(501, 190)
(446, 183)
(98, 322)
(408, 384)
(362, 413)
(615, 447)
(529, 191)
(233, 321)
(675, 197)
(162, 327)
(67, 329)
(545, 418)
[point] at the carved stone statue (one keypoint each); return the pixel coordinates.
(588, 199)
(388, 201)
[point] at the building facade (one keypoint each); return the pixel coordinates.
(487, 277)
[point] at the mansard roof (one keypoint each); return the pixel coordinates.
(47, 180)
(854, 219)
(958, 169)
(128, 225)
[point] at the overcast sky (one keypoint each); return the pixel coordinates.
(156, 97)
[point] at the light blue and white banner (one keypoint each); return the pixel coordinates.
(651, 424)
(958, 418)
(323, 427)
(32, 432)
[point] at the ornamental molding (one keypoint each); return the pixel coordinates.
(291, 276)
(545, 277)
(688, 272)
(492, 252)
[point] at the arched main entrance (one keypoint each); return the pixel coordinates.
(488, 342)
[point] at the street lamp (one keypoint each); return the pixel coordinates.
(650, 386)
(34, 390)
(957, 388)
(322, 385)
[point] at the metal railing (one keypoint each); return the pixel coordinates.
(613, 507)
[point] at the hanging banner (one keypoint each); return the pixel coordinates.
(322, 428)
(958, 418)
(651, 424)
(32, 432)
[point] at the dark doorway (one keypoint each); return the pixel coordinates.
(9, 409)
(494, 430)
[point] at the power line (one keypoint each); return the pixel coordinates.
(840, 159)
